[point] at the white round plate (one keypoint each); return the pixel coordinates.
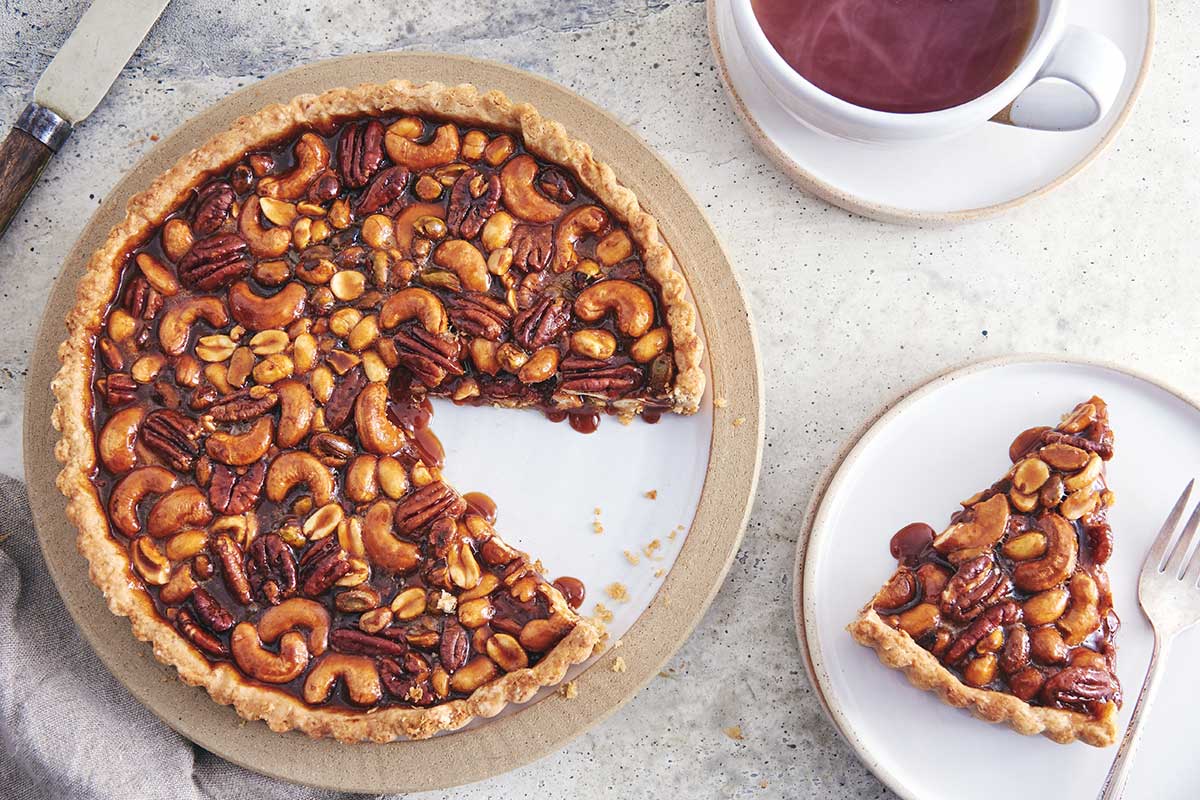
(986, 171)
(938, 445)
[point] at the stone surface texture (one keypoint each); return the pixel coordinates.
(849, 312)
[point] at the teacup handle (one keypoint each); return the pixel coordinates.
(1093, 68)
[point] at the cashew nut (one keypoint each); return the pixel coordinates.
(1083, 616)
(260, 313)
(185, 507)
(297, 612)
(241, 449)
(404, 223)
(312, 158)
(293, 468)
(461, 258)
(1062, 549)
(414, 303)
(519, 195)
(264, 242)
(630, 302)
(260, 663)
(357, 672)
(131, 490)
(384, 549)
(406, 152)
(987, 527)
(296, 411)
(376, 432)
(176, 323)
(577, 223)
(118, 438)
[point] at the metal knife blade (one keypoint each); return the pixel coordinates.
(94, 54)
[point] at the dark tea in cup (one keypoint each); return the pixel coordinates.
(905, 56)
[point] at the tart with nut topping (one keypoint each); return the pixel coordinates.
(245, 394)
(1008, 611)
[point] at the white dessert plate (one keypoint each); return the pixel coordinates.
(937, 445)
(984, 172)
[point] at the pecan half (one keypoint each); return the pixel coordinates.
(202, 639)
(174, 436)
(321, 566)
(1102, 448)
(1005, 613)
(331, 450)
(542, 322)
(272, 569)
(241, 406)
(430, 357)
(1083, 689)
(213, 204)
(341, 401)
(556, 185)
(215, 262)
(210, 611)
(119, 389)
(229, 554)
(141, 299)
(473, 200)
(413, 688)
(427, 504)
(356, 642)
(480, 315)
(456, 645)
(969, 591)
(360, 153)
(598, 378)
(385, 194)
(532, 246)
(1099, 536)
(230, 493)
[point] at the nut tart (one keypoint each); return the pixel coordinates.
(244, 399)
(1008, 611)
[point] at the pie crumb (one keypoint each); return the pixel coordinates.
(734, 733)
(603, 613)
(617, 665)
(632, 558)
(739, 422)
(569, 690)
(658, 573)
(719, 401)
(652, 494)
(618, 592)
(764, 783)
(650, 548)
(446, 603)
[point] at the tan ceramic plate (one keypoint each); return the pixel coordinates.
(542, 727)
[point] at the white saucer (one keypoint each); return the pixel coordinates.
(985, 172)
(937, 445)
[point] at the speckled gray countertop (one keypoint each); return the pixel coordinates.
(827, 288)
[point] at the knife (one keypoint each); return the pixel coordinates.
(72, 86)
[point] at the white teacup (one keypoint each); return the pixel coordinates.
(1066, 81)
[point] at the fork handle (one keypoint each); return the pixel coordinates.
(1114, 785)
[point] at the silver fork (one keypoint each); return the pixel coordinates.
(1168, 593)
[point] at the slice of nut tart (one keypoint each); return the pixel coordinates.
(245, 398)
(1008, 612)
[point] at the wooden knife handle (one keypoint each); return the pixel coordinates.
(38, 134)
(22, 159)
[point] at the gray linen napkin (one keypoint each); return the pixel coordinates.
(70, 730)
